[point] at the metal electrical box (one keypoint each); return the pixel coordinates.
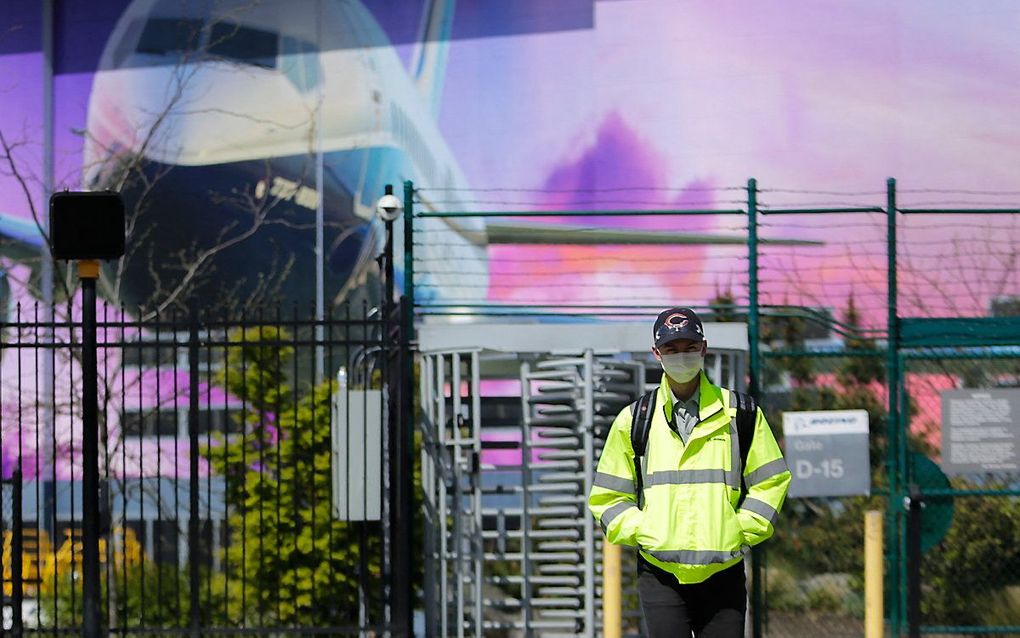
(357, 464)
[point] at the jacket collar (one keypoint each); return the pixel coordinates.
(710, 400)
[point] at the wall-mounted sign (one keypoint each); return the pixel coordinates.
(827, 452)
(981, 431)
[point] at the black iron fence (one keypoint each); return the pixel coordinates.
(244, 481)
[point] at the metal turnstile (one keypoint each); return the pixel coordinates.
(569, 405)
(510, 548)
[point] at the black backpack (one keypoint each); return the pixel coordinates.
(644, 410)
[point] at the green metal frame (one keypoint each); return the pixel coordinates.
(896, 460)
(902, 336)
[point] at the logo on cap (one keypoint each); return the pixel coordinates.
(677, 323)
(677, 319)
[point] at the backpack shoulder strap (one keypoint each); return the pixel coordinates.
(747, 413)
(644, 410)
(641, 423)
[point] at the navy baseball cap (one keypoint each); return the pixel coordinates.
(677, 323)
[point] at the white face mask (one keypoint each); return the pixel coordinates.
(683, 366)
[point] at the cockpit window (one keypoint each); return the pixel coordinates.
(162, 36)
(299, 61)
(244, 44)
(173, 39)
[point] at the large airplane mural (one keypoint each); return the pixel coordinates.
(229, 125)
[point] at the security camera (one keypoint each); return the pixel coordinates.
(389, 207)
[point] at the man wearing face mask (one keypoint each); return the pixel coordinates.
(698, 507)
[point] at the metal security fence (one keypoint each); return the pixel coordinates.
(957, 556)
(843, 293)
(245, 487)
(12, 528)
(922, 298)
(812, 572)
(969, 573)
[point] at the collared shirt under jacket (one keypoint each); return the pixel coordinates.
(690, 524)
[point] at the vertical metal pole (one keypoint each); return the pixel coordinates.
(915, 502)
(193, 507)
(893, 460)
(17, 558)
(753, 300)
(526, 611)
(320, 217)
(386, 515)
(388, 271)
(476, 434)
(394, 357)
(587, 432)
(47, 163)
(873, 575)
(753, 335)
(441, 449)
(458, 496)
(406, 459)
(88, 272)
(46, 274)
(612, 591)
(406, 448)
(428, 478)
(401, 462)
(409, 253)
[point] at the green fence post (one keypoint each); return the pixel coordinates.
(755, 363)
(404, 449)
(893, 443)
(409, 246)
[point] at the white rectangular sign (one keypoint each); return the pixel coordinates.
(825, 422)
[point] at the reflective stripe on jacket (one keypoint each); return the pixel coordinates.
(690, 525)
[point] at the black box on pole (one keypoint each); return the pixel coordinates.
(87, 225)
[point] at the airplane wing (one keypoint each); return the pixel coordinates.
(502, 232)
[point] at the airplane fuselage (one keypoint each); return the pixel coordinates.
(217, 150)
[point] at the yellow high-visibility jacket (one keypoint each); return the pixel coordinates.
(690, 525)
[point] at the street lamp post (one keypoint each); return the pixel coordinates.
(88, 227)
(389, 209)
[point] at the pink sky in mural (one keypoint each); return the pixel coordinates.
(674, 105)
(602, 177)
(825, 102)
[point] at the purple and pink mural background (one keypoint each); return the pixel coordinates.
(659, 104)
(656, 104)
